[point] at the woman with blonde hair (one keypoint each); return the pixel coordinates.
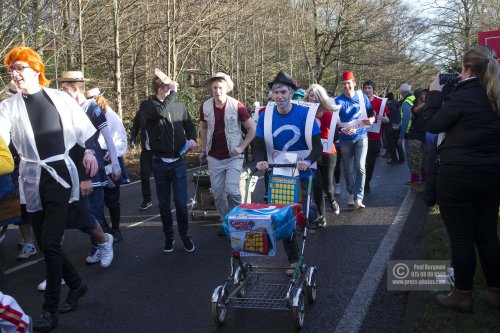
(468, 182)
(326, 166)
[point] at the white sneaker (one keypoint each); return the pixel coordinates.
(94, 256)
(27, 250)
(350, 200)
(337, 189)
(358, 204)
(106, 251)
(43, 285)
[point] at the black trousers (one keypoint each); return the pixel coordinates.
(469, 198)
(371, 158)
(146, 162)
(323, 182)
(337, 165)
(317, 192)
(48, 226)
(395, 150)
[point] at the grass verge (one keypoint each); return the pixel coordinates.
(431, 317)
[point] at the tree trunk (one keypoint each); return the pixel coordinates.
(117, 56)
(80, 36)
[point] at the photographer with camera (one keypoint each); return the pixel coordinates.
(468, 182)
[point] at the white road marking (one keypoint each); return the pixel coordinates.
(353, 317)
(24, 265)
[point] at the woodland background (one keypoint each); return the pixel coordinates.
(118, 43)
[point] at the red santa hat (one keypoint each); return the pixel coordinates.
(347, 76)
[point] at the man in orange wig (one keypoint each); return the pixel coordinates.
(44, 125)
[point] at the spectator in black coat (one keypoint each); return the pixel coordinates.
(468, 181)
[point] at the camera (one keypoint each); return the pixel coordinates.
(448, 78)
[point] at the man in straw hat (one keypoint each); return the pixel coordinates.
(355, 115)
(171, 133)
(45, 124)
(222, 144)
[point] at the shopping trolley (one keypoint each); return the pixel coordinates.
(254, 229)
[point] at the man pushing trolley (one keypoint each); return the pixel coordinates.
(287, 142)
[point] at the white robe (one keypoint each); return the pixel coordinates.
(15, 123)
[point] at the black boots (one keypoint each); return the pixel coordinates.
(45, 322)
(74, 296)
(458, 300)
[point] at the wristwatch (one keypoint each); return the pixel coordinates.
(90, 151)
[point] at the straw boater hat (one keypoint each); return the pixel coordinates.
(162, 76)
(72, 76)
(92, 93)
(220, 75)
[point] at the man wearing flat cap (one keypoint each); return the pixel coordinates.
(355, 115)
(222, 143)
(290, 128)
(171, 133)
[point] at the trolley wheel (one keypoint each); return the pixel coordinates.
(219, 308)
(311, 287)
(298, 310)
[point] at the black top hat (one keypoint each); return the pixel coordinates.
(284, 78)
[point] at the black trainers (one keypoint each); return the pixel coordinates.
(146, 204)
(72, 299)
(46, 322)
(188, 244)
(169, 245)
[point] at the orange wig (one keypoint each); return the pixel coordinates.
(31, 57)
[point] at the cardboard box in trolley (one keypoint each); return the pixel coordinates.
(252, 234)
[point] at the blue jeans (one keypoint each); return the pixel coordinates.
(354, 157)
(172, 176)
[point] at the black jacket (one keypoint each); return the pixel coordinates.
(472, 127)
(168, 125)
